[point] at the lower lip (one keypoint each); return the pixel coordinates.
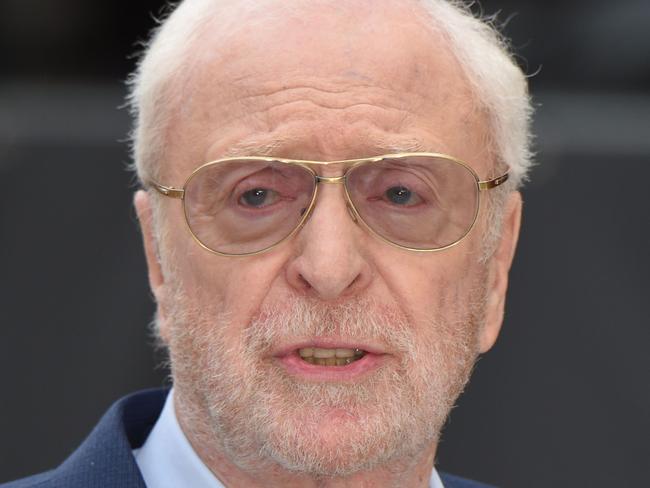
(295, 365)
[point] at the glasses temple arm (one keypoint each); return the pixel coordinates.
(167, 191)
(494, 182)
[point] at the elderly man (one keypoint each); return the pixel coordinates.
(329, 215)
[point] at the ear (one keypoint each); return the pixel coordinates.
(498, 268)
(142, 202)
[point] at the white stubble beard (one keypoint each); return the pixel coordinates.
(241, 402)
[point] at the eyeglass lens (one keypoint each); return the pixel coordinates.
(418, 202)
(245, 206)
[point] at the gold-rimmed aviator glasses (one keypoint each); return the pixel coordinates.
(248, 205)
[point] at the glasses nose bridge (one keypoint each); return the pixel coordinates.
(331, 180)
(337, 180)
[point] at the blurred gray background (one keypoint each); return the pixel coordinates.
(564, 397)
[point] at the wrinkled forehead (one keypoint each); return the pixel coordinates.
(272, 72)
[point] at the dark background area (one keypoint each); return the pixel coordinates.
(562, 400)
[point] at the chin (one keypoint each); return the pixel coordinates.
(251, 410)
(335, 432)
(333, 449)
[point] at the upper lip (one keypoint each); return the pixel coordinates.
(328, 343)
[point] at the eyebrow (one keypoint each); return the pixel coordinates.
(380, 145)
(254, 148)
(401, 146)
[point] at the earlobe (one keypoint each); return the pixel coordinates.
(144, 211)
(498, 268)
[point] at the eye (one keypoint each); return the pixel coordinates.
(258, 197)
(401, 195)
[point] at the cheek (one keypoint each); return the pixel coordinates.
(434, 286)
(235, 286)
(427, 281)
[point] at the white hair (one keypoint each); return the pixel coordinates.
(499, 85)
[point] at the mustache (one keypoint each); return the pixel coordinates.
(357, 318)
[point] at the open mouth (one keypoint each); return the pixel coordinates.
(330, 357)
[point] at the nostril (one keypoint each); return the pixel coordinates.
(354, 281)
(304, 282)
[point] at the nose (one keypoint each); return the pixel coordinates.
(330, 262)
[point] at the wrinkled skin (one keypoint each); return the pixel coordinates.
(368, 80)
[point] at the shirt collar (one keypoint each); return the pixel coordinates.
(168, 460)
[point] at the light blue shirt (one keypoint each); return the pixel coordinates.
(167, 459)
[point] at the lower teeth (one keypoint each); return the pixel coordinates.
(331, 361)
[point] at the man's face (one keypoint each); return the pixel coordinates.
(326, 84)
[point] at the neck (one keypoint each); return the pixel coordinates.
(414, 472)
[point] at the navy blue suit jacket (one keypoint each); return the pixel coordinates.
(104, 459)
